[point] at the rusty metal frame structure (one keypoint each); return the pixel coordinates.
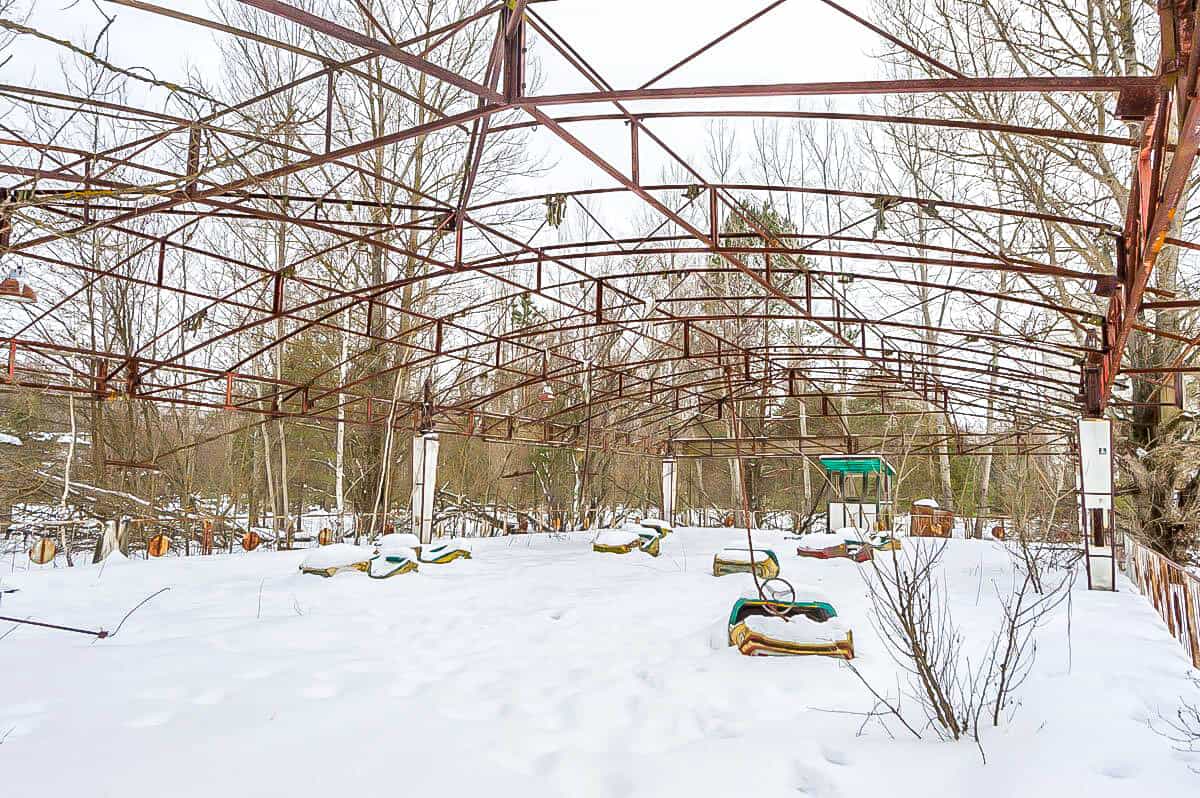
(667, 391)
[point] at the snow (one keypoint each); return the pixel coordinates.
(655, 523)
(539, 669)
(11, 440)
(742, 555)
(336, 555)
(822, 540)
(926, 503)
(617, 537)
(850, 533)
(398, 540)
(799, 629)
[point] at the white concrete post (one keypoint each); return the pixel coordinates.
(424, 484)
(1096, 515)
(669, 484)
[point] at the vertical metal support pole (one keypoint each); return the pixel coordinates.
(714, 219)
(513, 21)
(669, 486)
(424, 484)
(1096, 516)
(635, 171)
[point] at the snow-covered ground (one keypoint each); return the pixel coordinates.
(540, 668)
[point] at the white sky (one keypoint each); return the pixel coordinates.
(628, 41)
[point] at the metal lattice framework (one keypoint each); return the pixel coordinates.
(670, 364)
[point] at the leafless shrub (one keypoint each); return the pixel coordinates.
(912, 615)
(1012, 650)
(955, 695)
(1183, 730)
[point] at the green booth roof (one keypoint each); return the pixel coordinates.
(856, 464)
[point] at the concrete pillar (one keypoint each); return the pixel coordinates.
(424, 484)
(1096, 516)
(669, 484)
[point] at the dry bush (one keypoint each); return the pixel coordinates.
(954, 695)
(1184, 729)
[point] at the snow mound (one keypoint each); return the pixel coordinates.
(655, 523)
(797, 630)
(742, 555)
(396, 541)
(926, 503)
(336, 555)
(617, 537)
(850, 533)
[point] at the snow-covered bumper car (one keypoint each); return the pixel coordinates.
(764, 563)
(336, 558)
(759, 628)
(656, 524)
(392, 563)
(442, 553)
(829, 546)
(624, 541)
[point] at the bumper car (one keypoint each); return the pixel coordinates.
(442, 553)
(828, 547)
(737, 561)
(884, 541)
(623, 541)
(336, 558)
(658, 525)
(759, 628)
(392, 563)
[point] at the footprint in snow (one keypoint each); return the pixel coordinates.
(812, 782)
(835, 757)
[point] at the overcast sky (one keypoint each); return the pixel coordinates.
(628, 41)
